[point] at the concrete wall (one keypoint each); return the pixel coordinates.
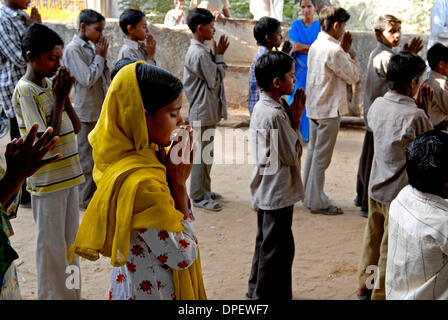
(172, 44)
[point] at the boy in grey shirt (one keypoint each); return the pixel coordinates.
(204, 73)
(92, 78)
(139, 43)
(396, 120)
(276, 184)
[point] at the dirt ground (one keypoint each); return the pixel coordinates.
(327, 247)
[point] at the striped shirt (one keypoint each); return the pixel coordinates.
(12, 64)
(254, 91)
(417, 264)
(33, 103)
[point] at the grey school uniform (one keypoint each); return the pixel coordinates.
(276, 185)
(92, 79)
(438, 111)
(132, 49)
(203, 85)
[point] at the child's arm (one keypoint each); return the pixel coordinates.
(213, 72)
(86, 74)
(73, 116)
(342, 64)
(10, 45)
(62, 85)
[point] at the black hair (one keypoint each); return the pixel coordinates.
(89, 16)
(426, 162)
(130, 17)
(120, 64)
(266, 26)
(329, 15)
(271, 65)
(198, 16)
(313, 1)
(437, 53)
(38, 39)
(158, 87)
(402, 69)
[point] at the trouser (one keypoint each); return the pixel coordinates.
(372, 265)
(200, 182)
(363, 177)
(15, 133)
(323, 134)
(88, 187)
(271, 274)
(57, 219)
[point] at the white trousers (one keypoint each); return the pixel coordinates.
(57, 220)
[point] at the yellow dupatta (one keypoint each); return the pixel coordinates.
(132, 190)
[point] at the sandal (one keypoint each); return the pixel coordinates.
(215, 195)
(330, 211)
(208, 204)
(364, 294)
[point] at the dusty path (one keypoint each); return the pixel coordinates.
(327, 248)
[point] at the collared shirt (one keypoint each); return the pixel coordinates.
(172, 17)
(203, 84)
(276, 149)
(12, 64)
(439, 19)
(330, 69)
(132, 49)
(210, 5)
(33, 103)
(395, 121)
(438, 110)
(254, 91)
(417, 267)
(376, 84)
(92, 78)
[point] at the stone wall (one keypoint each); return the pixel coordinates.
(172, 44)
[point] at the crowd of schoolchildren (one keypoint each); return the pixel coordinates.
(113, 153)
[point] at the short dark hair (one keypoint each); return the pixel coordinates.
(403, 68)
(313, 1)
(437, 53)
(38, 39)
(89, 16)
(382, 22)
(198, 16)
(266, 26)
(158, 87)
(426, 162)
(130, 17)
(120, 64)
(271, 65)
(329, 15)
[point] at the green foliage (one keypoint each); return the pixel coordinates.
(415, 14)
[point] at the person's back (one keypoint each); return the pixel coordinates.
(395, 120)
(418, 224)
(438, 61)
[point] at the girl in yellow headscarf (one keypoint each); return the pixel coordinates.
(140, 215)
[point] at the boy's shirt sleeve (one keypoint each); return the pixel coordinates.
(10, 45)
(211, 72)
(343, 66)
(380, 64)
(86, 74)
(288, 147)
(29, 111)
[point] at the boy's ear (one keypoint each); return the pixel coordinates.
(276, 82)
(82, 26)
(378, 36)
(335, 25)
(129, 28)
(29, 55)
(198, 28)
(441, 64)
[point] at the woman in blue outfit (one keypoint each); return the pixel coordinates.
(302, 34)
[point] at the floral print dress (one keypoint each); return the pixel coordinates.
(9, 288)
(152, 256)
